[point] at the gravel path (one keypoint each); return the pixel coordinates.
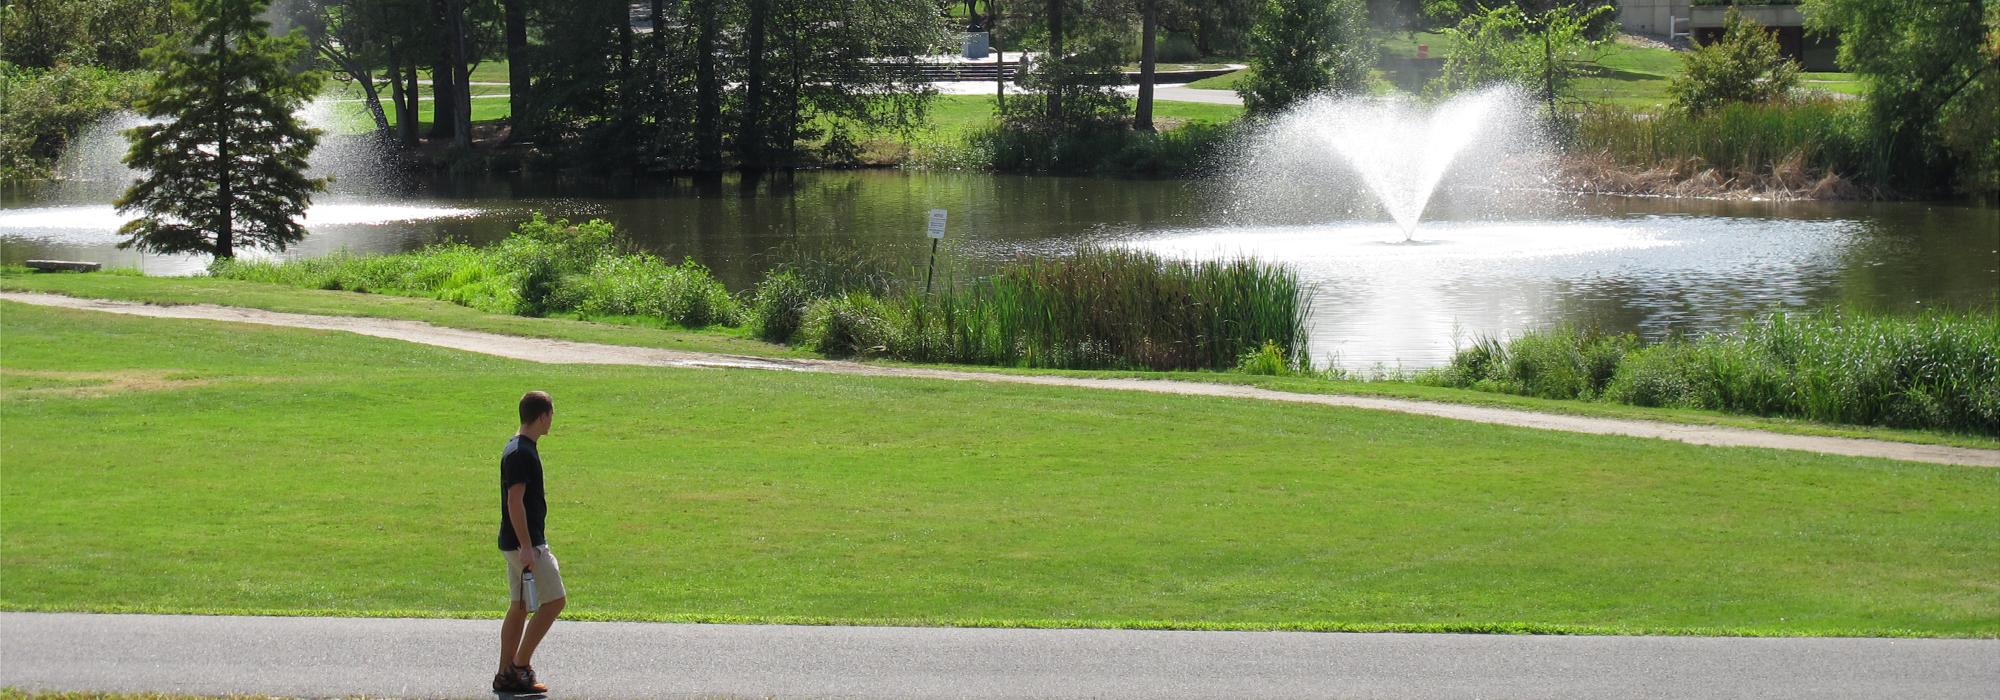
(351, 657)
(567, 352)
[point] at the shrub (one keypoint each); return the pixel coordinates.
(1662, 375)
(1744, 66)
(1934, 370)
(1269, 360)
(854, 325)
(41, 111)
(538, 282)
(778, 306)
(1562, 363)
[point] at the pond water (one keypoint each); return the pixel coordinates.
(1652, 266)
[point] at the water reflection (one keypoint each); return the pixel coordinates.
(1652, 266)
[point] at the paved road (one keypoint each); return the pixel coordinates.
(560, 351)
(322, 657)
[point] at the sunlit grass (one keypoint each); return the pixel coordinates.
(327, 473)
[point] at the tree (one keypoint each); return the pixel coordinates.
(1744, 66)
(227, 166)
(1300, 48)
(1078, 76)
(817, 64)
(346, 35)
(1543, 53)
(518, 75)
(1933, 72)
(1149, 30)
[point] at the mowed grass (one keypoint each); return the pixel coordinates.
(188, 466)
(124, 286)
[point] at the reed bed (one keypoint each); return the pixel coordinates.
(1936, 370)
(1109, 308)
(1810, 149)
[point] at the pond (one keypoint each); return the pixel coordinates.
(1651, 266)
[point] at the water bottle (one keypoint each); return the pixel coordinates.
(528, 596)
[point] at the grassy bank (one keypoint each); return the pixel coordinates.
(1087, 310)
(1938, 370)
(694, 494)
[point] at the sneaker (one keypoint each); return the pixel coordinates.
(524, 681)
(506, 683)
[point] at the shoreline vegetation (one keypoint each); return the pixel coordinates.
(1111, 309)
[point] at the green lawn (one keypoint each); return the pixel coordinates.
(621, 331)
(950, 116)
(204, 467)
(1626, 74)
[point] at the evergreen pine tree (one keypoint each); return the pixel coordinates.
(226, 166)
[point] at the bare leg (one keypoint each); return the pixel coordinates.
(510, 633)
(538, 626)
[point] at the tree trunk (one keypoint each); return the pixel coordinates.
(1056, 88)
(443, 93)
(708, 91)
(225, 190)
(999, 58)
(408, 113)
(750, 141)
(518, 102)
(374, 102)
(461, 127)
(657, 68)
(624, 42)
(1142, 119)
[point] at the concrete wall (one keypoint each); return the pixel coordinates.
(1814, 52)
(1651, 16)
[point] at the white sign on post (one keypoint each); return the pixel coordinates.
(937, 223)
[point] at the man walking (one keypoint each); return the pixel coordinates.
(523, 512)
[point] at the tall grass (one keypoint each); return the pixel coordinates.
(1741, 139)
(1109, 308)
(1936, 370)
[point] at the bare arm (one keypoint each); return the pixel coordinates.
(517, 513)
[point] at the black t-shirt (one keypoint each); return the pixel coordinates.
(521, 464)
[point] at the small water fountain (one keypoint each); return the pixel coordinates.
(75, 215)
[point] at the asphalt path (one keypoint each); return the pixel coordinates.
(326, 657)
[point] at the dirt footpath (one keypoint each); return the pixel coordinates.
(568, 352)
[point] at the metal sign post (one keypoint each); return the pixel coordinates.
(937, 234)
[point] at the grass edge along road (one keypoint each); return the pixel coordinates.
(1069, 508)
(197, 290)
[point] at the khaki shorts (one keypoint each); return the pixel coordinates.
(548, 576)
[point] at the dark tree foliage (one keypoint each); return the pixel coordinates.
(1934, 84)
(111, 34)
(1302, 48)
(226, 164)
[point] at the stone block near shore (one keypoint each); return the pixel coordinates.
(63, 266)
